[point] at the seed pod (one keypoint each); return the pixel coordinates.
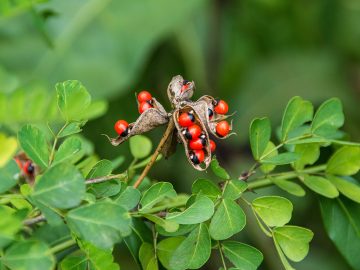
(180, 90)
(189, 152)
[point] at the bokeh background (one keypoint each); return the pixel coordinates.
(255, 54)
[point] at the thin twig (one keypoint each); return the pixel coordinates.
(34, 220)
(104, 178)
(167, 133)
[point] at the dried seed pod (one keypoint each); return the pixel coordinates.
(180, 90)
(189, 152)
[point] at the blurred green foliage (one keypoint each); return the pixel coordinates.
(256, 54)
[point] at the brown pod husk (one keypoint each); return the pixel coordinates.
(147, 121)
(201, 107)
(170, 144)
(185, 141)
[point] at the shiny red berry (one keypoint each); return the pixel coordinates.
(145, 105)
(221, 107)
(210, 113)
(122, 128)
(197, 156)
(197, 144)
(223, 128)
(186, 119)
(144, 96)
(212, 146)
(28, 168)
(192, 132)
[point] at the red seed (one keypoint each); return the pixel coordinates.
(144, 96)
(197, 156)
(192, 132)
(223, 128)
(143, 106)
(197, 144)
(212, 146)
(186, 119)
(221, 107)
(122, 128)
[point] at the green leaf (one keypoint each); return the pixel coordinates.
(147, 257)
(234, 189)
(328, 118)
(273, 210)
(297, 112)
(8, 176)
(321, 186)
(201, 210)
(67, 150)
(260, 132)
(207, 188)
(290, 187)
(10, 224)
(102, 223)
(168, 225)
(345, 161)
(72, 128)
(341, 218)
(350, 189)
(33, 141)
(129, 198)
(243, 256)
(73, 99)
(281, 159)
(183, 229)
(194, 251)
(218, 170)
(165, 249)
(29, 255)
(155, 194)
(140, 146)
(294, 241)
(309, 154)
(62, 186)
(8, 146)
(51, 214)
(270, 151)
(228, 220)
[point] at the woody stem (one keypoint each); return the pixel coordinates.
(168, 131)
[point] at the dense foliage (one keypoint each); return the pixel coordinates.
(77, 207)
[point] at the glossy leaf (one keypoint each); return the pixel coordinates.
(345, 161)
(32, 254)
(234, 189)
(194, 251)
(273, 210)
(260, 132)
(281, 159)
(350, 189)
(103, 223)
(309, 154)
(67, 150)
(294, 241)
(328, 118)
(228, 220)
(218, 170)
(140, 146)
(8, 146)
(201, 210)
(297, 112)
(166, 248)
(62, 186)
(155, 194)
(33, 141)
(8, 176)
(243, 256)
(207, 188)
(73, 99)
(321, 186)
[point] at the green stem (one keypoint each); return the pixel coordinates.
(56, 138)
(222, 256)
(62, 246)
(160, 208)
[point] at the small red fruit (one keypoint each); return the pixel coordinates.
(198, 143)
(186, 119)
(122, 128)
(145, 105)
(144, 96)
(222, 128)
(212, 146)
(221, 107)
(29, 168)
(197, 156)
(192, 132)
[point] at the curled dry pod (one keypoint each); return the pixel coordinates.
(185, 141)
(147, 121)
(202, 106)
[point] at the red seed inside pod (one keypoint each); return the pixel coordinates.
(198, 143)
(210, 113)
(223, 128)
(145, 105)
(197, 156)
(29, 168)
(212, 146)
(221, 107)
(122, 128)
(186, 119)
(144, 96)
(192, 132)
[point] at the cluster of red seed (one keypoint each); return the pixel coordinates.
(145, 102)
(222, 127)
